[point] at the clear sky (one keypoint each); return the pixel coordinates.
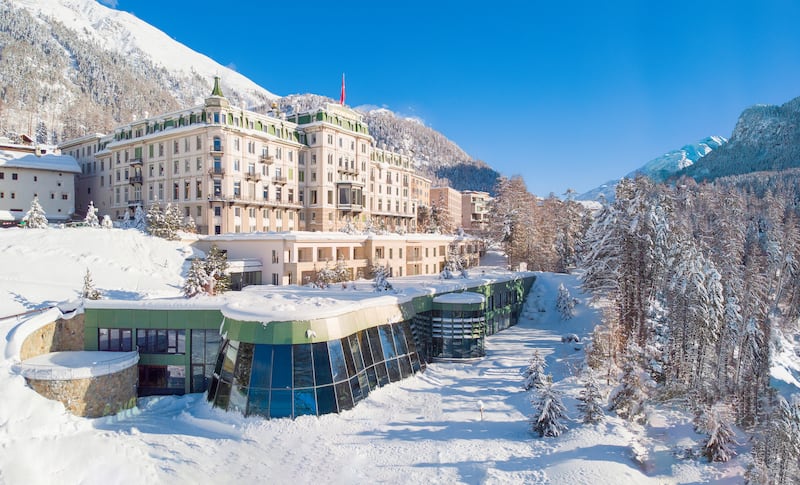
(568, 94)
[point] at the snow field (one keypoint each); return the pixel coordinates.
(425, 429)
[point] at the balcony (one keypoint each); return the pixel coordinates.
(216, 172)
(135, 161)
(135, 202)
(136, 179)
(252, 176)
(267, 159)
(351, 207)
(280, 180)
(348, 170)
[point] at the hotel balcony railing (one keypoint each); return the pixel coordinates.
(216, 171)
(280, 180)
(268, 159)
(252, 176)
(136, 179)
(136, 161)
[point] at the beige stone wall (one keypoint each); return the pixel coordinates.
(93, 397)
(57, 336)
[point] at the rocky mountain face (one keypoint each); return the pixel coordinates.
(766, 138)
(73, 67)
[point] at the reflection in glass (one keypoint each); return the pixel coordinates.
(282, 367)
(322, 365)
(280, 404)
(303, 376)
(337, 360)
(261, 376)
(343, 396)
(326, 400)
(304, 402)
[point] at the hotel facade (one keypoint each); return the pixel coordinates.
(237, 171)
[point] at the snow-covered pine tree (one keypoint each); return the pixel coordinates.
(324, 277)
(89, 292)
(534, 375)
(91, 219)
(716, 421)
(189, 225)
(156, 225)
(629, 399)
(216, 266)
(35, 218)
(381, 283)
(341, 272)
(590, 399)
(197, 280)
(549, 412)
(173, 221)
(107, 222)
(349, 228)
(565, 303)
(139, 219)
(126, 219)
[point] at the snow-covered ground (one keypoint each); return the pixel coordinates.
(425, 429)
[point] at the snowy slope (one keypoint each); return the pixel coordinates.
(661, 168)
(124, 33)
(425, 429)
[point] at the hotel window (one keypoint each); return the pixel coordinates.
(274, 256)
(175, 167)
(199, 165)
(115, 339)
(199, 211)
(198, 189)
(161, 191)
(313, 159)
(161, 341)
(217, 211)
(186, 165)
(198, 143)
(175, 189)
(275, 280)
(160, 150)
(330, 139)
(237, 211)
(237, 189)
(301, 176)
(278, 194)
(175, 146)
(313, 196)
(186, 190)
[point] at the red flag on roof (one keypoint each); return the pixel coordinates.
(341, 96)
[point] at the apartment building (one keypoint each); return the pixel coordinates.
(449, 199)
(475, 210)
(232, 170)
(29, 171)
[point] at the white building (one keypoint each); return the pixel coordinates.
(27, 172)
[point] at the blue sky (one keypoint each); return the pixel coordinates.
(568, 94)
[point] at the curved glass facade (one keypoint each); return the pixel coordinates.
(279, 381)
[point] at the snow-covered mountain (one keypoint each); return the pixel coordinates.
(661, 168)
(72, 66)
(766, 138)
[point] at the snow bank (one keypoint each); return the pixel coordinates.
(60, 366)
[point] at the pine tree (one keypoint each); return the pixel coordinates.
(716, 421)
(590, 400)
(35, 218)
(534, 375)
(91, 219)
(630, 398)
(190, 226)
(89, 292)
(216, 267)
(549, 412)
(381, 283)
(197, 281)
(139, 219)
(126, 219)
(565, 303)
(156, 224)
(173, 221)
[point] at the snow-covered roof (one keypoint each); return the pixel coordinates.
(21, 159)
(465, 297)
(62, 366)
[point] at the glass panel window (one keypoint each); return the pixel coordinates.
(282, 368)
(322, 365)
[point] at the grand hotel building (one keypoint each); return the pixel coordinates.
(237, 171)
